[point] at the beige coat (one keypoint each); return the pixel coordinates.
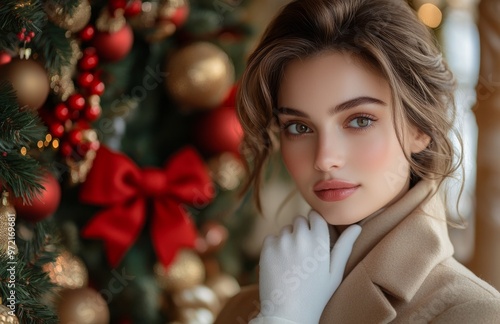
(401, 270)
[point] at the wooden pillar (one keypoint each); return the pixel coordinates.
(486, 260)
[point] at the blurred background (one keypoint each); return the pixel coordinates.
(124, 112)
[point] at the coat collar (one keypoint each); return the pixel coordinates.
(380, 268)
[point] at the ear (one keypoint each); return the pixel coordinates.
(418, 140)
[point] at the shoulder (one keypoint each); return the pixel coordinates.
(485, 310)
(242, 307)
(467, 280)
(453, 294)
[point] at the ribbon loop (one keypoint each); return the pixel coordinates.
(116, 184)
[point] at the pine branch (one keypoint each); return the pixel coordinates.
(18, 127)
(54, 46)
(32, 283)
(42, 249)
(30, 286)
(16, 15)
(22, 174)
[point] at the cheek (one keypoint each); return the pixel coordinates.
(296, 158)
(379, 153)
(374, 153)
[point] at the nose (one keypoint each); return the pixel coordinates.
(330, 153)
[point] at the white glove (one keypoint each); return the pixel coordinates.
(299, 273)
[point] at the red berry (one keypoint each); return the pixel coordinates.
(89, 51)
(61, 112)
(97, 87)
(23, 30)
(85, 79)
(76, 101)
(20, 36)
(87, 33)
(89, 59)
(57, 130)
(92, 112)
(82, 149)
(134, 8)
(117, 4)
(31, 34)
(75, 137)
(74, 115)
(27, 39)
(66, 149)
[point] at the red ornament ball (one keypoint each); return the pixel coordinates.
(218, 131)
(114, 46)
(45, 204)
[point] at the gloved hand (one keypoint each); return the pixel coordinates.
(299, 273)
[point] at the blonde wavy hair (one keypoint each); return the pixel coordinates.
(385, 34)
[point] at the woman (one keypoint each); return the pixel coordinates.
(364, 105)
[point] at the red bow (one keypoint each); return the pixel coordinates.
(116, 184)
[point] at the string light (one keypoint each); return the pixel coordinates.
(24, 151)
(430, 15)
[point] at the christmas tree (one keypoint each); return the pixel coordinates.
(120, 160)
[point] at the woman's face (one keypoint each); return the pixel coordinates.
(338, 140)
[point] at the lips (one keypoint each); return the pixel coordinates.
(334, 190)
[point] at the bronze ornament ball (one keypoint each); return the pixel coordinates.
(30, 81)
(75, 22)
(82, 306)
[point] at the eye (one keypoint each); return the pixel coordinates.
(297, 129)
(360, 122)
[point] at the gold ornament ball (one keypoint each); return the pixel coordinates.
(68, 271)
(224, 286)
(82, 306)
(199, 75)
(197, 297)
(30, 81)
(227, 170)
(5, 317)
(186, 271)
(75, 22)
(195, 316)
(7, 224)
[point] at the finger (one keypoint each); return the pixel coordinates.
(286, 230)
(342, 250)
(319, 226)
(300, 225)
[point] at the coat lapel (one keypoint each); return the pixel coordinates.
(358, 300)
(380, 269)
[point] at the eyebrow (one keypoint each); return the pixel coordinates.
(339, 108)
